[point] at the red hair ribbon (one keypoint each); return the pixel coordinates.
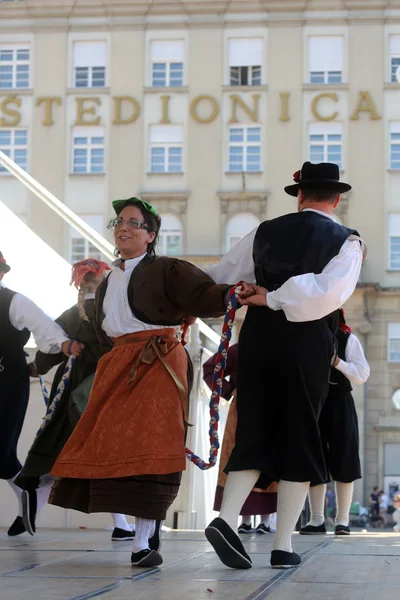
(342, 323)
(89, 265)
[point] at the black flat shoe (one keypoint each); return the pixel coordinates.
(155, 540)
(342, 530)
(120, 535)
(29, 509)
(146, 558)
(227, 545)
(16, 528)
(263, 529)
(243, 528)
(284, 560)
(313, 530)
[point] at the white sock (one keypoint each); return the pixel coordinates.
(265, 520)
(344, 496)
(238, 486)
(17, 491)
(246, 520)
(291, 498)
(316, 496)
(120, 522)
(43, 491)
(144, 530)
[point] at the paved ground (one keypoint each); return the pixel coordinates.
(81, 564)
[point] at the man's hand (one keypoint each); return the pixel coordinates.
(32, 370)
(258, 298)
(337, 361)
(249, 289)
(72, 348)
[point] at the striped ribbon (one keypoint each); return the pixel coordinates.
(51, 406)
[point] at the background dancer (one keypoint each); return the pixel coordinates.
(19, 316)
(338, 424)
(259, 502)
(307, 266)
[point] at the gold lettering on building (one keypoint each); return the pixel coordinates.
(48, 102)
(15, 115)
(82, 110)
(365, 104)
(118, 102)
(165, 107)
(250, 112)
(284, 96)
(213, 112)
(314, 106)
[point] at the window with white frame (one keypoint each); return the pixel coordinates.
(14, 143)
(170, 236)
(238, 226)
(245, 61)
(394, 49)
(166, 143)
(167, 58)
(394, 241)
(88, 150)
(244, 148)
(325, 59)
(394, 342)
(14, 67)
(79, 247)
(325, 143)
(89, 64)
(395, 145)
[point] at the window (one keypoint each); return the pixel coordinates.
(80, 248)
(245, 60)
(14, 67)
(394, 342)
(14, 143)
(394, 47)
(88, 150)
(170, 236)
(238, 226)
(167, 63)
(166, 149)
(394, 241)
(395, 145)
(89, 64)
(325, 59)
(245, 149)
(325, 143)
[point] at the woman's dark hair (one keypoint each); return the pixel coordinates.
(152, 222)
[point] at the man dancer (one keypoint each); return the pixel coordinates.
(18, 317)
(307, 266)
(338, 425)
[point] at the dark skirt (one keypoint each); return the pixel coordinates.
(283, 379)
(125, 495)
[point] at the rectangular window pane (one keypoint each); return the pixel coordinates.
(394, 65)
(5, 136)
(157, 164)
(98, 76)
(317, 77)
(235, 75)
(256, 76)
(254, 134)
(176, 74)
(334, 77)
(236, 134)
(23, 54)
(175, 160)
(81, 76)
(159, 75)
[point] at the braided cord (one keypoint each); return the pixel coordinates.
(57, 397)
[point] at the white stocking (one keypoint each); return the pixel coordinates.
(344, 496)
(238, 486)
(291, 498)
(145, 528)
(266, 520)
(316, 495)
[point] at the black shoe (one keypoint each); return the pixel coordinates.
(244, 528)
(284, 560)
(263, 529)
(155, 540)
(17, 527)
(146, 558)
(119, 535)
(342, 530)
(227, 545)
(313, 530)
(29, 509)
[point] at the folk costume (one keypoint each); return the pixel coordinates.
(126, 454)
(338, 425)
(19, 316)
(310, 266)
(259, 502)
(77, 322)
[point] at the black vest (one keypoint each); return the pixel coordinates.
(12, 341)
(295, 244)
(337, 380)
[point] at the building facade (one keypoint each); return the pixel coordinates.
(205, 109)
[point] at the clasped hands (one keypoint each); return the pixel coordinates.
(252, 295)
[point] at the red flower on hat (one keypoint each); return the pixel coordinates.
(297, 176)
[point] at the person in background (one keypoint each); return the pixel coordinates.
(374, 502)
(383, 507)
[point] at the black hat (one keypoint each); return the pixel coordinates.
(317, 176)
(3, 265)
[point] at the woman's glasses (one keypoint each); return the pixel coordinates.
(131, 223)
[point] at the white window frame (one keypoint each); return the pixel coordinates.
(394, 53)
(326, 130)
(252, 223)
(90, 251)
(14, 63)
(394, 240)
(90, 67)
(394, 140)
(245, 144)
(12, 149)
(393, 336)
(168, 137)
(329, 76)
(167, 61)
(87, 133)
(171, 226)
(248, 54)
